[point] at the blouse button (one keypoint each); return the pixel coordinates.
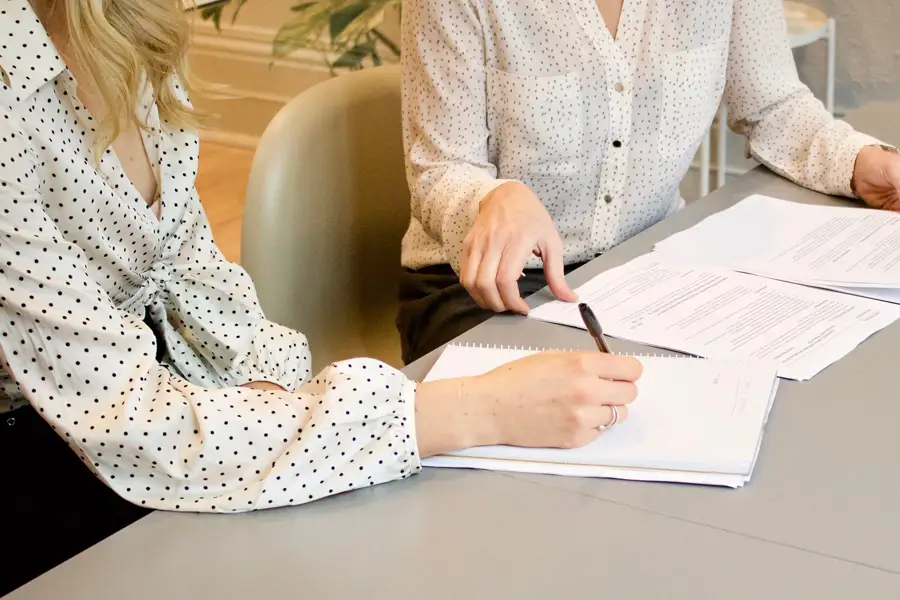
(607, 198)
(617, 144)
(619, 87)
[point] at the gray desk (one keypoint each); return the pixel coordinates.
(820, 519)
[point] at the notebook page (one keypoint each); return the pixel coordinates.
(718, 313)
(469, 361)
(518, 466)
(690, 415)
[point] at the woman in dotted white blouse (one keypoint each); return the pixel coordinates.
(539, 134)
(127, 338)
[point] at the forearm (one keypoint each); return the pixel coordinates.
(789, 130)
(799, 140)
(450, 414)
(454, 414)
(445, 132)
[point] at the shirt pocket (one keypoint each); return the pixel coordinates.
(692, 90)
(537, 123)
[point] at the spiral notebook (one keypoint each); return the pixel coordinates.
(694, 421)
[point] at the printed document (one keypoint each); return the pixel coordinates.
(722, 314)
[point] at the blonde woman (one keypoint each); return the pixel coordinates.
(540, 134)
(128, 338)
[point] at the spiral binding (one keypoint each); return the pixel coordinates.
(542, 349)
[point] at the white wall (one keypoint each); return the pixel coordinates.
(266, 13)
(868, 51)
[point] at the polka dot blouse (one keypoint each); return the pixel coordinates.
(93, 285)
(602, 130)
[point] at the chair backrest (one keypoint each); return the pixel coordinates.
(327, 206)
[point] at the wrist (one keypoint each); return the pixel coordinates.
(502, 192)
(478, 400)
(866, 154)
(453, 414)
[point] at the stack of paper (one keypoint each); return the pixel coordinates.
(694, 421)
(718, 313)
(852, 250)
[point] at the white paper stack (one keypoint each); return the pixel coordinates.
(694, 421)
(847, 249)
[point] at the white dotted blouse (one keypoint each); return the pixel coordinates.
(93, 286)
(603, 130)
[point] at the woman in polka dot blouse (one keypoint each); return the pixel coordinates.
(540, 133)
(128, 342)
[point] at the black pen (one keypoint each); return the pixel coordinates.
(593, 327)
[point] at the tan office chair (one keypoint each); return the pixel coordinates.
(327, 206)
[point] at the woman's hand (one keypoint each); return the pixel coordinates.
(876, 178)
(512, 225)
(548, 400)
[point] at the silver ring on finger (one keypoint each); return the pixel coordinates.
(613, 422)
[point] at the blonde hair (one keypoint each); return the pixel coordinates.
(116, 42)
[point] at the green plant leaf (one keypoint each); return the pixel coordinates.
(394, 48)
(354, 57)
(341, 18)
(303, 31)
(362, 24)
(346, 28)
(213, 12)
(237, 9)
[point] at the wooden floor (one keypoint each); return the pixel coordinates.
(222, 184)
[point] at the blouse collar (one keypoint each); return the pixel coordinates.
(27, 55)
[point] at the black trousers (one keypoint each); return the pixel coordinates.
(53, 505)
(435, 307)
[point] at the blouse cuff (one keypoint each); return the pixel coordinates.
(386, 411)
(845, 162)
(278, 355)
(408, 423)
